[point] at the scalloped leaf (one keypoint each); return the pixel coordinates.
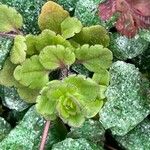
(27, 94)
(94, 58)
(46, 101)
(70, 26)
(10, 19)
(84, 85)
(93, 35)
(52, 57)
(6, 74)
(18, 52)
(31, 73)
(48, 37)
(102, 77)
(31, 44)
(92, 108)
(51, 17)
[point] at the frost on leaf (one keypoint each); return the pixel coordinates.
(94, 58)
(10, 19)
(138, 138)
(18, 52)
(70, 100)
(70, 26)
(31, 73)
(127, 99)
(51, 17)
(52, 57)
(93, 35)
(76, 144)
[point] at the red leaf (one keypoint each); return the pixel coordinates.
(107, 9)
(126, 25)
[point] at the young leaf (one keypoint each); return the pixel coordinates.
(31, 73)
(18, 52)
(70, 100)
(84, 85)
(6, 74)
(31, 44)
(46, 103)
(70, 26)
(52, 57)
(102, 77)
(94, 58)
(93, 35)
(52, 16)
(10, 19)
(48, 37)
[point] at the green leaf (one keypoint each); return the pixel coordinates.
(94, 58)
(47, 38)
(91, 130)
(84, 85)
(5, 47)
(52, 16)
(6, 74)
(5, 128)
(93, 35)
(10, 19)
(70, 100)
(76, 144)
(18, 52)
(92, 108)
(31, 44)
(102, 77)
(31, 73)
(46, 101)
(70, 26)
(52, 57)
(27, 94)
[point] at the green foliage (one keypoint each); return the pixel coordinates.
(18, 52)
(6, 74)
(5, 47)
(76, 144)
(31, 73)
(51, 16)
(93, 35)
(70, 100)
(52, 57)
(70, 26)
(94, 58)
(48, 37)
(91, 130)
(4, 128)
(59, 46)
(8, 23)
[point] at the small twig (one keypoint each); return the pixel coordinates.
(44, 136)
(3, 34)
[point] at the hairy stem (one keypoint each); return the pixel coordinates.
(45, 134)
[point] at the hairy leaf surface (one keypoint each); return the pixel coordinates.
(94, 58)
(52, 57)
(52, 16)
(10, 19)
(18, 52)
(70, 26)
(31, 73)
(93, 35)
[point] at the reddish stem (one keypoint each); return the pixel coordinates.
(44, 136)
(3, 34)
